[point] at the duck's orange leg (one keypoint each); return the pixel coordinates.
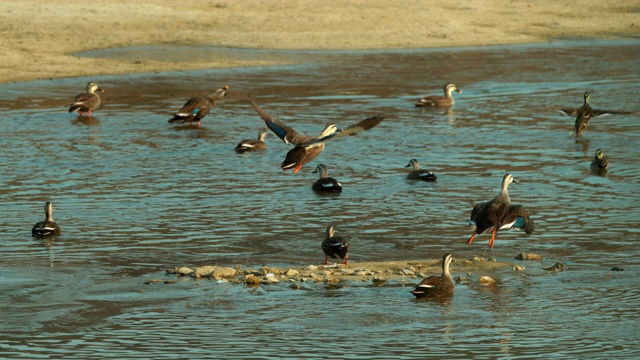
(326, 260)
(346, 260)
(471, 238)
(493, 236)
(298, 167)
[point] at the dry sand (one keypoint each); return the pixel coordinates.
(39, 37)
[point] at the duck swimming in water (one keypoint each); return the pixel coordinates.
(47, 227)
(437, 286)
(440, 101)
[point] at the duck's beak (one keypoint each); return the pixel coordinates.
(101, 90)
(459, 91)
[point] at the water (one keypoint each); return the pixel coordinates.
(134, 196)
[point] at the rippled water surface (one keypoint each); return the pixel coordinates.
(135, 195)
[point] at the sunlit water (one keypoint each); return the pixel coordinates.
(135, 195)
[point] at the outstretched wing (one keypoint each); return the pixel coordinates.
(601, 112)
(570, 111)
(285, 133)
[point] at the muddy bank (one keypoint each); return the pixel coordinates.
(39, 38)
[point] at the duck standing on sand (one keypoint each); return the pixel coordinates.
(499, 214)
(86, 102)
(419, 174)
(307, 148)
(585, 113)
(440, 101)
(325, 184)
(437, 286)
(47, 227)
(335, 247)
(253, 144)
(198, 107)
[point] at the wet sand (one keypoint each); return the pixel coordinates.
(39, 38)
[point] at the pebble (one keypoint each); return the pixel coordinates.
(294, 286)
(362, 273)
(202, 271)
(518, 268)
(525, 256)
(252, 280)
(347, 271)
(312, 267)
(478, 258)
(486, 280)
(378, 279)
(223, 272)
(184, 271)
(557, 267)
(292, 272)
(407, 272)
(326, 273)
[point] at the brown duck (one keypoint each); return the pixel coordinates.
(419, 174)
(198, 107)
(47, 227)
(440, 101)
(600, 163)
(253, 144)
(325, 184)
(307, 148)
(335, 247)
(585, 113)
(86, 102)
(437, 286)
(499, 214)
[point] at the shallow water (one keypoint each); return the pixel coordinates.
(135, 195)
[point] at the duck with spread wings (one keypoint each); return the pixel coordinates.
(306, 148)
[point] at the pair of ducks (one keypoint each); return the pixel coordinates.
(193, 110)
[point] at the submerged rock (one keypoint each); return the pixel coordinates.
(203, 271)
(525, 256)
(518, 268)
(557, 267)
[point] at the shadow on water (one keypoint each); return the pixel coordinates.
(135, 195)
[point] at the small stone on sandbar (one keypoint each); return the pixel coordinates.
(486, 280)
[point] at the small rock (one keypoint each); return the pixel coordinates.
(184, 271)
(518, 268)
(202, 271)
(362, 273)
(223, 272)
(312, 267)
(326, 273)
(407, 272)
(154, 281)
(272, 270)
(347, 271)
(378, 279)
(460, 279)
(525, 256)
(272, 280)
(492, 259)
(332, 280)
(615, 268)
(478, 258)
(253, 272)
(252, 280)
(292, 272)
(294, 286)
(486, 280)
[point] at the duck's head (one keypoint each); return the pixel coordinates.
(599, 154)
(413, 163)
(262, 134)
(451, 87)
(322, 170)
(330, 231)
(220, 93)
(93, 87)
(587, 96)
(508, 179)
(446, 260)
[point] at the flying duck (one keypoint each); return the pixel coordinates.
(585, 113)
(307, 148)
(198, 107)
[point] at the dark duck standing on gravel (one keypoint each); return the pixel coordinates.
(86, 102)
(437, 286)
(47, 227)
(499, 214)
(198, 107)
(335, 247)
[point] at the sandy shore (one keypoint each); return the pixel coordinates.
(39, 37)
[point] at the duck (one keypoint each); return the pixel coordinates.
(198, 107)
(47, 227)
(335, 246)
(307, 148)
(437, 286)
(440, 101)
(499, 214)
(585, 113)
(88, 101)
(419, 174)
(253, 144)
(325, 184)
(600, 163)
